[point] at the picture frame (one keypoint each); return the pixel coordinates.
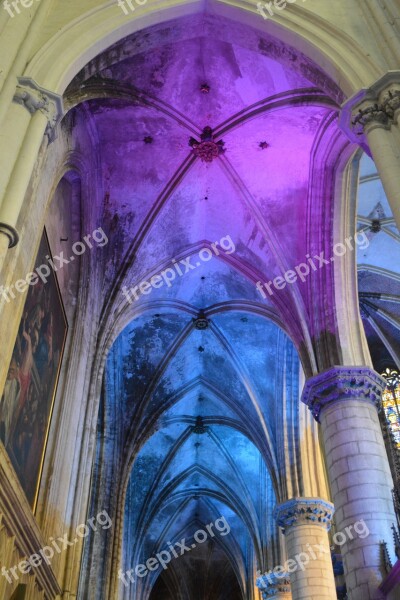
(28, 400)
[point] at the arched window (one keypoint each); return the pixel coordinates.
(391, 404)
(390, 423)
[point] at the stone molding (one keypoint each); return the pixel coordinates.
(273, 585)
(11, 233)
(304, 511)
(33, 97)
(20, 524)
(376, 106)
(342, 383)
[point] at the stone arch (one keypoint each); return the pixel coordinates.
(335, 53)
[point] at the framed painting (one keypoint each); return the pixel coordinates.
(26, 405)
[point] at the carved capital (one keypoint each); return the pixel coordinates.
(391, 101)
(33, 98)
(369, 117)
(376, 106)
(274, 585)
(304, 511)
(342, 383)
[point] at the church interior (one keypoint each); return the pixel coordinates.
(199, 300)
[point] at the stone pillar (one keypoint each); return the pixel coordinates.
(274, 587)
(371, 118)
(305, 523)
(344, 400)
(22, 136)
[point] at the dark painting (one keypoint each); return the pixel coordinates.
(27, 402)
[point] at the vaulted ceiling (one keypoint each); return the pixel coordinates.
(211, 441)
(146, 98)
(204, 371)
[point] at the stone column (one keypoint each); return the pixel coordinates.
(22, 135)
(275, 587)
(344, 400)
(371, 118)
(305, 523)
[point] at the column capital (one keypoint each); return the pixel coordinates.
(33, 97)
(342, 383)
(304, 511)
(376, 106)
(274, 585)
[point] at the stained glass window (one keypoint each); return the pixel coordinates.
(391, 403)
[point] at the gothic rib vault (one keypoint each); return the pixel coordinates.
(148, 100)
(211, 150)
